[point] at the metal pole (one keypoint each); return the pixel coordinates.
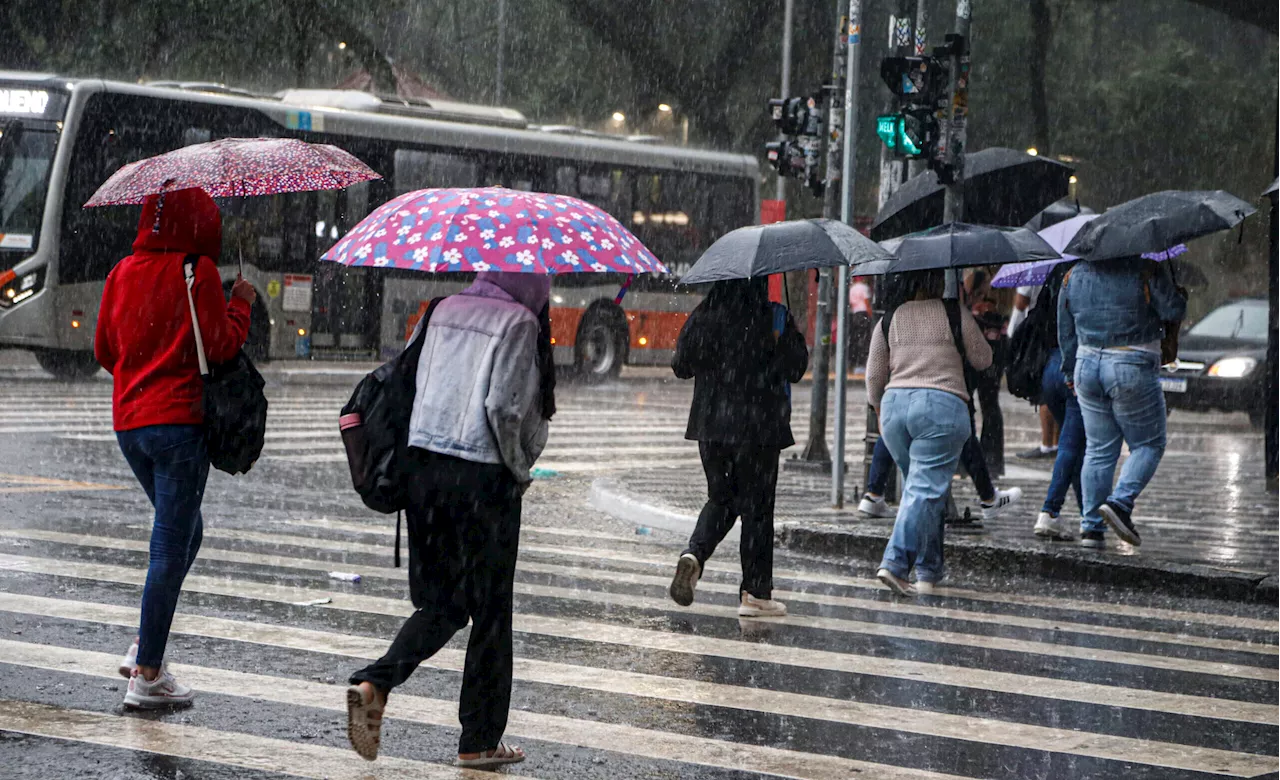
(815, 450)
(787, 14)
(502, 35)
(956, 123)
(848, 172)
(915, 167)
(1270, 419)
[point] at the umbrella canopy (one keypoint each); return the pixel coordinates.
(1058, 211)
(1275, 186)
(960, 245)
(1001, 187)
(1155, 222)
(1056, 235)
(233, 167)
(760, 250)
(492, 229)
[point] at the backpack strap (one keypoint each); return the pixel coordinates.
(952, 307)
(189, 275)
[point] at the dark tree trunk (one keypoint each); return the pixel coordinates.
(1041, 38)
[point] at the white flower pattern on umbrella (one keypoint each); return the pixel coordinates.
(506, 241)
(524, 257)
(452, 255)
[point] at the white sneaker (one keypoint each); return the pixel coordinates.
(893, 583)
(1050, 527)
(754, 607)
(1004, 500)
(688, 572)
(129, 662)
(873, 506)
(164, 691)
(924, 588)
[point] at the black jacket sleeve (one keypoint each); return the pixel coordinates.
(689, 348)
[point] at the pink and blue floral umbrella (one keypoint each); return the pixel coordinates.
(493, 229)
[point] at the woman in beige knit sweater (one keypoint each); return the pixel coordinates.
(915, 381)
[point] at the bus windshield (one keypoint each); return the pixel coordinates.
(26, 154)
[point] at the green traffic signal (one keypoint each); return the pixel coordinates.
(891, 128)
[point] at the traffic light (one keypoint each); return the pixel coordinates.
(801, 122)
(915, 80)
(893, 132)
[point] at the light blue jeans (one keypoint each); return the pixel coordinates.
(1122, 403)
(925, 431)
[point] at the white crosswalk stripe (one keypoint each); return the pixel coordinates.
(612, 679)
(588, 435)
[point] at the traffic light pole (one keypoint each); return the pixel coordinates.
(955, 130)
(787, 13)
(847, 179)
(815, 450)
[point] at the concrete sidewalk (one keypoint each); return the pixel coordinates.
(1197, 537)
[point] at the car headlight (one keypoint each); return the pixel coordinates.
(1233, 367)
(16, 289)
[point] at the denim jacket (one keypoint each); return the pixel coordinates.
(1108, 304)
(477, 385)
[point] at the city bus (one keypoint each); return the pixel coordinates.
(60, 138)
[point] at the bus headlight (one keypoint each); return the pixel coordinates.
(15, 289)
(1233, 367)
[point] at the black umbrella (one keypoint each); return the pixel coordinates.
(959, 245)
(1155, 222)
(1001, 187)
(1058, 211)
(760, 250)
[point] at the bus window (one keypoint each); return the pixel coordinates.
(669, 216)
(567, 181)
(730, 206)
(26, 153)
(416, 170)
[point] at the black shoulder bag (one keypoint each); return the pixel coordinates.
(235, 407)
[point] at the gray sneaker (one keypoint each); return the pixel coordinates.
(1093, 540)
(688, 572)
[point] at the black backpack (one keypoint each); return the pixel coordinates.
(235, 406)
(1030, 347)
(375, 428)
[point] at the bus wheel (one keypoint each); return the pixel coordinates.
(67, 364)
(601, 346)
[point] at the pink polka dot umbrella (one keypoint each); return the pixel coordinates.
(233, 167)
(493, 229)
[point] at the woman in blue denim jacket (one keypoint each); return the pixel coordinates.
(1111, 318)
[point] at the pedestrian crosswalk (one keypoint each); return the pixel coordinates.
(614, 678)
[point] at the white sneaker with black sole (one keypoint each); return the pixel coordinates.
(164, 691)
(129, 662)
(875, 506)
(1003, 502)
(1053, 527)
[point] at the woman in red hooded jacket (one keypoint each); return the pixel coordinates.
(146, 341)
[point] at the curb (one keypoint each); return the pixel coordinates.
(1066, 564)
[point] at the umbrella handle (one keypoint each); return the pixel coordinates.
(623, 290)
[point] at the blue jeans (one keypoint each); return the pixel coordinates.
(1121, 402)
(1062, 403)
(172, 464)
(970, 457)
(925, 431)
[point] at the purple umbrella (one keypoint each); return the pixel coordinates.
(1058, 236)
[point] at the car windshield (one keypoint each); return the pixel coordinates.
(26, 155)
(1245, 320)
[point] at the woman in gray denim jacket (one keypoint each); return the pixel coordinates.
(1111, 317)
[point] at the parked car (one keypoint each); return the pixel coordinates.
(1221, 362)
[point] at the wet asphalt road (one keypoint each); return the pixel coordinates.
(1017, 679)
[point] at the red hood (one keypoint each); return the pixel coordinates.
(190, 223)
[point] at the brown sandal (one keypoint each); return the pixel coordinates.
(502, 754)
(364, 722)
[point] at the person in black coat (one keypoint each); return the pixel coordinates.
(743, 353)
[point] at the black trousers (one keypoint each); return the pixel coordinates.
(987, 389)
(741, 482)
(464, 531)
